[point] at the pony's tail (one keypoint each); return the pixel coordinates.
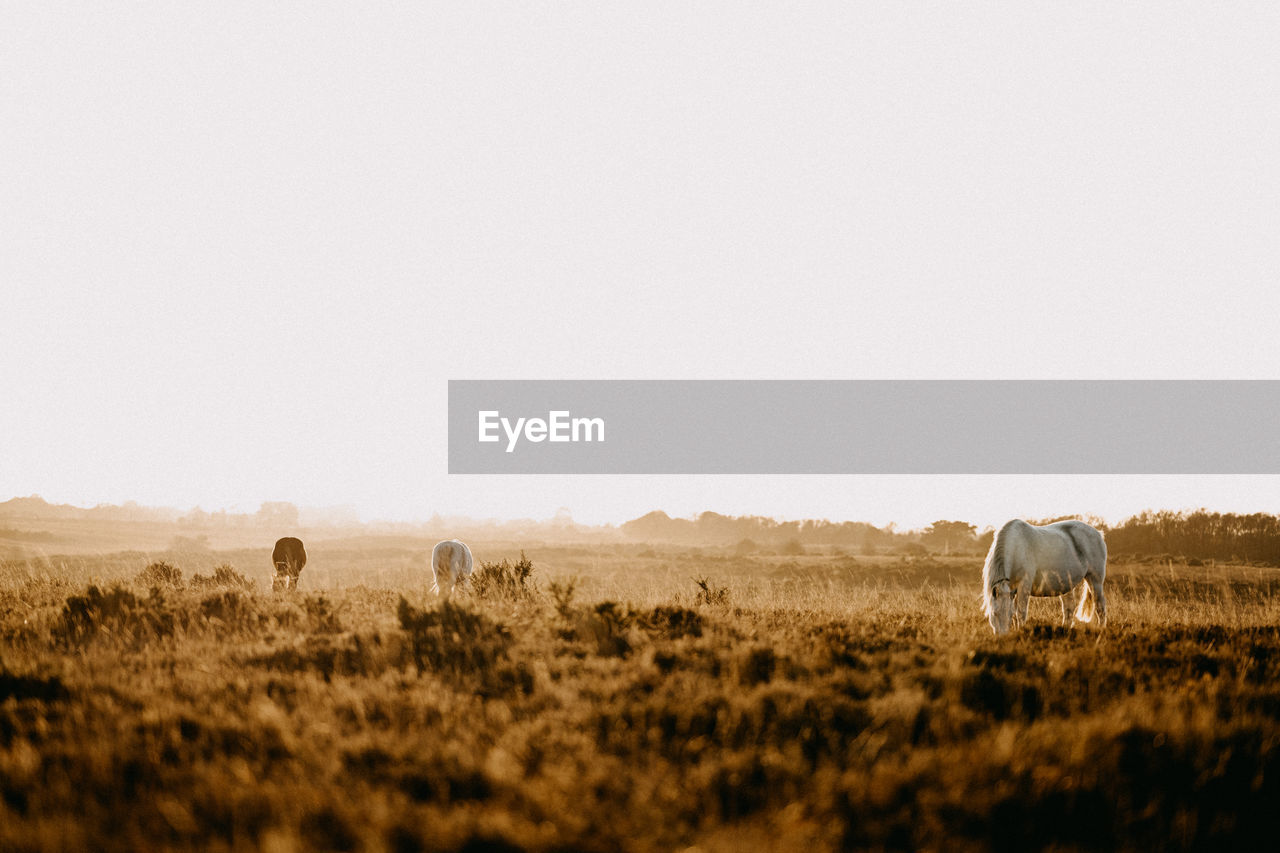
(1086, 607)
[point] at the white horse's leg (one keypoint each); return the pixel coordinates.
(1021, 604)
(1070, 601)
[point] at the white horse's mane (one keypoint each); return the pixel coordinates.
(993, 570)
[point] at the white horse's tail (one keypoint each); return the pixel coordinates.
(1085, 609)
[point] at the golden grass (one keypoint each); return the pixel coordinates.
(820, 702)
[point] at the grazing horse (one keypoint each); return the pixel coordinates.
(289, 557)
(450, 565)
(1066, 559)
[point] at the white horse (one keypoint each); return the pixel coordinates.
(1067, 559)
(450, 565)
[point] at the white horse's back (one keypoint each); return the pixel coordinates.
(450, 565)
(1058, 559)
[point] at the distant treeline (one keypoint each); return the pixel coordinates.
(711, 528)
(36, 507)
(1201, 534)
(282, 516)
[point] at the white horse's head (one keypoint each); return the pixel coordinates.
(1000, 606)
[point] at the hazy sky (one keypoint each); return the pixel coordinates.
(245, 245)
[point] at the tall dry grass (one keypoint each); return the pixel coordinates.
(628, 698)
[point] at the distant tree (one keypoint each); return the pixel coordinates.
(948, 536)
(277, 514)
(655, 526)
(196, 518)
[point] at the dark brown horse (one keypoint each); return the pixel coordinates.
(289, 557)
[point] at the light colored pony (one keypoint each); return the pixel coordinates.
(451, 565)
(1067, 559)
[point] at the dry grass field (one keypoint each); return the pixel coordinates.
(627, 698)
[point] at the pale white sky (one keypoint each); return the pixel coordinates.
(246, 245)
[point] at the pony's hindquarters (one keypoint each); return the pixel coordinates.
(450, 565)
(442, 574)
(289, 557)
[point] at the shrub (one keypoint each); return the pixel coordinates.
(234, 609)
(562, 596)
(504, 579)
(463, 646)
(20, 687)
(117, 611)
(708, 594)
(606, 625)
(758, 666)
(223, 576)
(350, 655)
(612, 629)
(321, 618)
(674, 622)
(159, 574)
